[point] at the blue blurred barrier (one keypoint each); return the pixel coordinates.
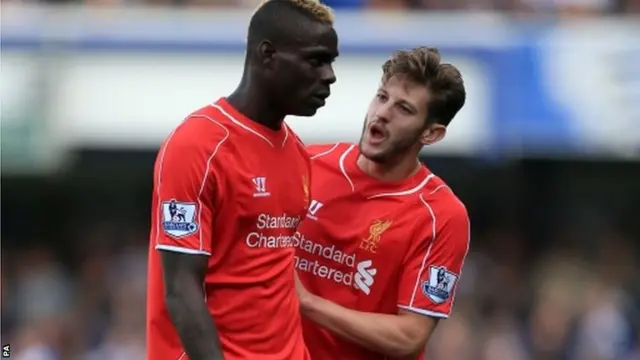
(125, 78)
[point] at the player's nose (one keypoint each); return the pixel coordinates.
(383, 113)
(327, 75)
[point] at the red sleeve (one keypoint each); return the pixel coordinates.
(185, 187)
(433, 265)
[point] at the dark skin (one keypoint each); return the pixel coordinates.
(277, 81)
(183, 278)
(286, 81)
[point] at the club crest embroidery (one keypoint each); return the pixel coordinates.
(377, 228)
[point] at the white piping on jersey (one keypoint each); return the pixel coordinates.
(464, 258)
(202, 183)
(286, 133)
(325, 152)
(342, 169)
(414, 190)
(426, 255)
(433, 240)
(353, 188)
(181, 249)
(206, 172)
(235, 121)
(425, 312)
(182, 356)
(437, 188)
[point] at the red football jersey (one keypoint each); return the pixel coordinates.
(235, 191)
(376, 247)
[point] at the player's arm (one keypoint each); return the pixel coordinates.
(401, 336)
(406, 333)
(186, 178)
(183, 279)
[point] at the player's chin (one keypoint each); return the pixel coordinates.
(373, 153)
(310, 106)
(306, 112)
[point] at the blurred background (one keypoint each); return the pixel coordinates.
(546, 156)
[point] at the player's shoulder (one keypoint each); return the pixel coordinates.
(200, 131)
(440, 200)
(208, 119)
(326, 151)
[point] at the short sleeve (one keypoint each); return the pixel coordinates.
(185, 188)
(433, 264)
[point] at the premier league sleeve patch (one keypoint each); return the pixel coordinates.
(179, 218)
(440, 284)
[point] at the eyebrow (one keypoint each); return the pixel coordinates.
(399, 101)
(410, 105)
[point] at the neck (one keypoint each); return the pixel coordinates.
(250, 100)
(392, 171)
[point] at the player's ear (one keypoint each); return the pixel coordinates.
(432, 134)
(266, 52)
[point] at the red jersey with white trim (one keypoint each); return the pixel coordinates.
(235, 191)
(373, 246)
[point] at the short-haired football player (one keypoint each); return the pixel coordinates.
(381, 250)
(230, 188)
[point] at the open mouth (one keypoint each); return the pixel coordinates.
(377, 133)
